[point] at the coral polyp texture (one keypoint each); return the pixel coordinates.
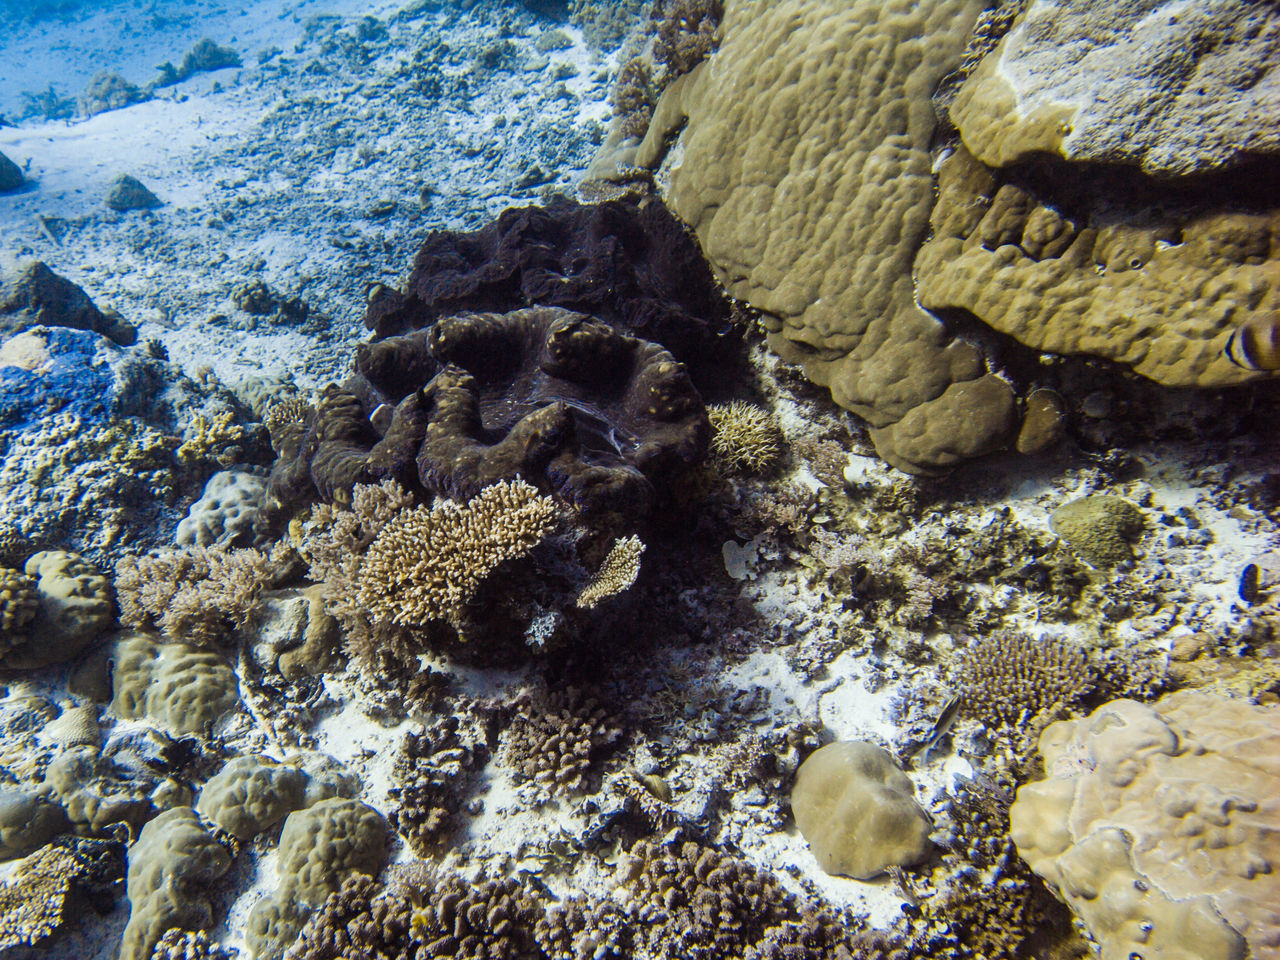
(1159, 825)
(428, 561)
(745, 438)
(557, 398)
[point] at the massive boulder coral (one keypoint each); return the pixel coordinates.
(629, 263)
(1107, 263)
(73, 608)
(1175, 88)
(805, 172)
(1160, 826)
(558, 398)
(182, 688)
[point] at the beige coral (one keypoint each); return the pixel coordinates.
(618, 571)
(745, 438)
(806, 175)
(1011, 679)
(1160, 826)
(428, 561)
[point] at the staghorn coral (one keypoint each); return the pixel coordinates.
(430, 772)
(686, 33)
(617, 572)
(1158, 826)
(200, 595)
(814, 216)
(553, 739)
(427, 561)
(1011, 680)
(745, 438)
(48, 890)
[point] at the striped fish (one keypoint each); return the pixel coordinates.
(1255, 345)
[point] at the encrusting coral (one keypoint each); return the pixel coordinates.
(1159, 825)
(426, 562)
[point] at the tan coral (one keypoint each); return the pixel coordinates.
(1159, 289)
(618, 571)
(806, 174)
(1160, 826)
(428, 561)
(745, 438)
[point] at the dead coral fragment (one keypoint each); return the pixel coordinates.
(199, 595)
(745, 438)
(428, 561)
(1009, 678)
(617, 572)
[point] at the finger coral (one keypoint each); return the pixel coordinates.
(553, 739)
(427, 562)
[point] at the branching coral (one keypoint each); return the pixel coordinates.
(427, 562)
(617, 572)
(686, 33)
(200, 595)
(430, 771)
(1011, 679)
(632, 99)
(745, 438)
(47, 890)
(220, 440)
(553, 739)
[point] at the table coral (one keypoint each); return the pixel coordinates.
(1160, 826)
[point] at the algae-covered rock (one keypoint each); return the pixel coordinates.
(183, 688)
(858, 811)
(126, 193)
(10, 175)
(1100, 528)
(319, 847)
(250, 794)
(170, 869)
(32, 295)
(27, 820)
(74, 608)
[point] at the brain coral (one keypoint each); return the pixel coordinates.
(806, 175)
(558, 398)
(1106, 263)
(1160, 826)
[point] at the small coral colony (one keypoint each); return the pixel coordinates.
(845, 530)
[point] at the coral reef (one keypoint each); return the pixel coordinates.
(249, 794)
(171, 868)
(49, 890)
(319, 847)
(603, 419)
(1099, 527)
(686, 33)
(1014, 681)
(73, 608)
(232, 512)
(858, 811)
(426, 563)
(832, 280)
(1157, 825)
(431, 769)
(181, 687)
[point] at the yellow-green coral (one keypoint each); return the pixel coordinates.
(220, 440)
